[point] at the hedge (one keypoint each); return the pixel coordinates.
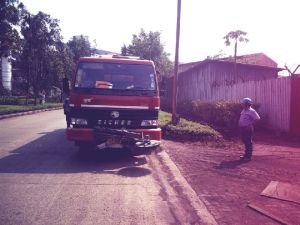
(9, 109)
(186, 130)
(221, 115)
(21, 100)
(15, 100)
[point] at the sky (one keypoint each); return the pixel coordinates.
(272, 26)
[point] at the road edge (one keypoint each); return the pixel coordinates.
(180, 186)
(6, 116)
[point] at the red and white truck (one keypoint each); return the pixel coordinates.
(114, 102)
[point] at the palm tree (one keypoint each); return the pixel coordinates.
(236, 36)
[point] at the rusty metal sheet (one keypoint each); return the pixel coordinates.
(268, 213)
(283, 191)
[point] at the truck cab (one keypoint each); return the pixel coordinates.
(114, 102)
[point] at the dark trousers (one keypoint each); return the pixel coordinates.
(246, 135)
(68, 119)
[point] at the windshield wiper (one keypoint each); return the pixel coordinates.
(129, 92)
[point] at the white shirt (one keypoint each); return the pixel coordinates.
(248, 116)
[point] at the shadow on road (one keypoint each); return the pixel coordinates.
(230, 164)
(52, 153)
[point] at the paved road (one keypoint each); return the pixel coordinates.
(43, 180)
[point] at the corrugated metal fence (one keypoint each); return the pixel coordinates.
(279, 98)
(273, 96)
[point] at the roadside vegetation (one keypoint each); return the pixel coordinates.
(186, 130)
(15, 104)
(223, 116)
(23, 100)
(8, 109)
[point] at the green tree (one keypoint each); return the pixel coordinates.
(149, 46)
(235, 36)
(80, 46)
(61, 64)
(10, 15)
(41, 36)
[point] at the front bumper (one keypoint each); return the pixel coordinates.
(88, 134)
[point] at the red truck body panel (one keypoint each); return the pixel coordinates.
(115, 101)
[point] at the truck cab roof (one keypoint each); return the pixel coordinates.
(116, 59)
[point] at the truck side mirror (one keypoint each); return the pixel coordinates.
(162, 92)
(66, 86)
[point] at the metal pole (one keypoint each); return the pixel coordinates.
(174, 99)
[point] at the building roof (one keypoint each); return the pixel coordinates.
(104, 52)
(258, 60)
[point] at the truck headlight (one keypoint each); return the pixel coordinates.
(78, 121)
(146, 123)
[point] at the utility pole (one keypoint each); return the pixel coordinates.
(174, 97)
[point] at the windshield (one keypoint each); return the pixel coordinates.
(102, 75)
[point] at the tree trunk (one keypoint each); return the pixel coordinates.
(235, 51)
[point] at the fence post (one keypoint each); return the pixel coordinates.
(295, 106)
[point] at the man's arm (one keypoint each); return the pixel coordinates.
(255, 117)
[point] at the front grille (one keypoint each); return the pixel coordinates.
(118, 123)
(127, 118)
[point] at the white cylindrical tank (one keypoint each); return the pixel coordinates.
(6, 72)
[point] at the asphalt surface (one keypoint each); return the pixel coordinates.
(44, 180)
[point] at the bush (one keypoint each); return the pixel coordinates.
(8, 109)
(222, 115)
(166, 104)
(53, 99)
(4, 92)
(9, 100)
(15, 100)
(186, 130)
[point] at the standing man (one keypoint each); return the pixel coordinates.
(246, 124)
(65, 99)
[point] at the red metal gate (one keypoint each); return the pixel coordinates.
(295, 106)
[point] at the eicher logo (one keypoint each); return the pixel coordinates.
(114, 114)
(87, 100)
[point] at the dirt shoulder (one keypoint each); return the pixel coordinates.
(226, 185)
